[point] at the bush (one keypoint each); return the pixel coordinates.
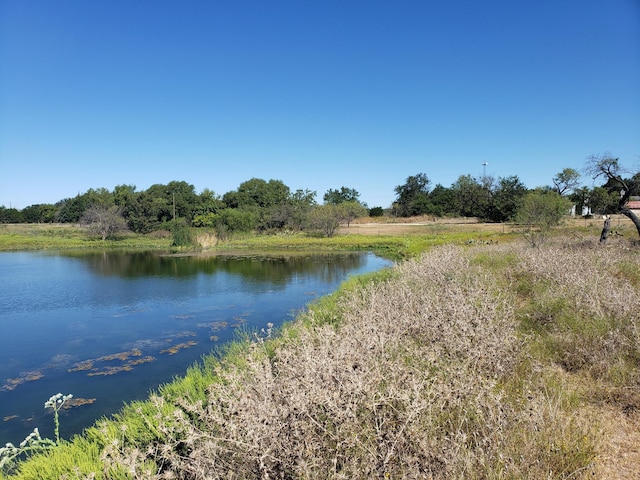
(376, 212)
(539, 213)
(181, 234)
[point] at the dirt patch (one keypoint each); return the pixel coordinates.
(422, 225)
(619, 456)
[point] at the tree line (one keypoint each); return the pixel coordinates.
(261, 205)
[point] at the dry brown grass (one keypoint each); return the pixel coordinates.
(421, 224)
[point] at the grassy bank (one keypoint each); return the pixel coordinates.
(22, 237)
(395, 245)
(470, 361)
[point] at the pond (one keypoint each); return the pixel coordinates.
(110, 327)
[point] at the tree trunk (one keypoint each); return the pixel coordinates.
(631, 216)
(605, 230)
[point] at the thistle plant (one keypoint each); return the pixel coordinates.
(34, 443)
(56, 402)
(264, 334)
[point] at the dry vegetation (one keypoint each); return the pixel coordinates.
(498, 361)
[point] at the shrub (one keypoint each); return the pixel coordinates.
(539, 213)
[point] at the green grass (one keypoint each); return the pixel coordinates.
(64, 237)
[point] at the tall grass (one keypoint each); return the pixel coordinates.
(466, 362)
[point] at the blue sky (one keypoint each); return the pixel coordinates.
(318, 94)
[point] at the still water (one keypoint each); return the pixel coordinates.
(110, 327)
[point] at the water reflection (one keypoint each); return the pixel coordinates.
(271, 269)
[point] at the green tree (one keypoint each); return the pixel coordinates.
(566, 181)
(603, 201)
(349, 211)
(471, 199)
(376, 212)
(232, 220)
(506, 198)
(325, 219)
(70, 210)
(294, 213)
(98, 196)
(539, 213)
(181, 234)
(183, 198)
(581, 197)
(343, 195)
(10, 215)
(257, 193)
(412, 196)
(40, 213)
(442, 201)
(208, 202)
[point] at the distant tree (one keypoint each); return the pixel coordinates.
(141, 212)
(257, 193)
(325, 219)
(207, 205)
(294, 213)
(539, 213)
(232, 220)
(343, 195)
(607, 167)
(104, 220)
(412, 196)
(581, 197)
(208, 202)
(603, 201)
(349, 211)
(566, 181)
(181, 234)
(70, 210)
(506, 198)
(183, 200)
(442, 200)
(376, 212)
(39, 213)
(10, 215)
(98, 196)
(471, 198)
(123, 194)
(204, 220)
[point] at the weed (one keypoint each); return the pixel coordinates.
(34, 443)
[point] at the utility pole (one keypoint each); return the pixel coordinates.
(484, 169)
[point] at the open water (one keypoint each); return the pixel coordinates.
(111, 327)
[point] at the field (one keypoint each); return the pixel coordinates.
(422, 225)
(477, 356)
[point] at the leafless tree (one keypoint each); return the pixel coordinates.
(104, 220)
(608, 167)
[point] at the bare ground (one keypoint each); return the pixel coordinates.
(619, 457)
(428, 224)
